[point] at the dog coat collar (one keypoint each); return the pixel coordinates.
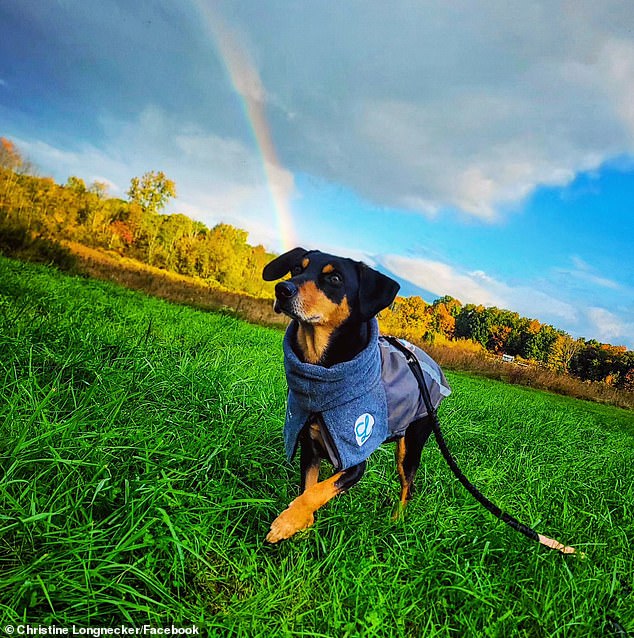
(361, 402)
(349, 396)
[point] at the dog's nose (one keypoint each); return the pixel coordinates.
(285, 290)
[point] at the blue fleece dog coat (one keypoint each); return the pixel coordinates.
(362, 402)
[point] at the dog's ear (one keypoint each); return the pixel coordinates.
(277, 268)
(376, 291)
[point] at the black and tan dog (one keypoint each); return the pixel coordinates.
(334, 367)
(332, 300)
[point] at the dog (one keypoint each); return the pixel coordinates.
(351, 390)
(336, 366)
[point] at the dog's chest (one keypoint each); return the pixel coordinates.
(361, 402)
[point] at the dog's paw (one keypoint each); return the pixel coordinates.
(291, 520)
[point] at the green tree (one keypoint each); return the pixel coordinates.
(474, 322)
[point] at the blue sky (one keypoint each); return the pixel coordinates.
(479, 149)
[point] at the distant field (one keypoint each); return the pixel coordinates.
(142, 462)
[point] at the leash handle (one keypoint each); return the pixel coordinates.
(414, 366)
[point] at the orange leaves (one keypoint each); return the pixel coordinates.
(9, 156)
(122, 230)
(443, 321)
(534, 326)
(498, 339)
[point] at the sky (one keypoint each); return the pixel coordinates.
(480, 149)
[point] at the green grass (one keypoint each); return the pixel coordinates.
(142, 462)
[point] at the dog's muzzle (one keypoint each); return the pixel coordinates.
(285, 291)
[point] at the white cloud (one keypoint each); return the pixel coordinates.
(536, 300)
(479, 288)
(443, 279)
(455, 106)
(220, 178)
(610, 328)
(462, 106)
(472, 152)
(84, 162)
(584, 272)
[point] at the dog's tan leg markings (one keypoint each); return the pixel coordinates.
(314, 430)
(400, 457)
(399, 453)
(300, 513)
(311, 475)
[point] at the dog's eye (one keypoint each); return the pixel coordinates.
(296, 270)
(335, 279)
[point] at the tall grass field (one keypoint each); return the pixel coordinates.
(141, 463)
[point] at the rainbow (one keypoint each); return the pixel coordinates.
(248, 85)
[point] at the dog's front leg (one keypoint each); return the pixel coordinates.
(312, 451)
(300, 513)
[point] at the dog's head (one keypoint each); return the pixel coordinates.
(328, 290)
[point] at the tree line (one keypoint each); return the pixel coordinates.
(33, 207)
(499, 331)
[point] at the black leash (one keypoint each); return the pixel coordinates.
(414, 366)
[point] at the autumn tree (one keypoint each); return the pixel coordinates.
(452, 305)
(625, 372)
(256, 260)
(228, 254)
(498, 337)
(10, 157)
(173, 228)
(148, 195)
(10, 164)
(442, 321)
(563, 350)
(152, 191)
(406, 318)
